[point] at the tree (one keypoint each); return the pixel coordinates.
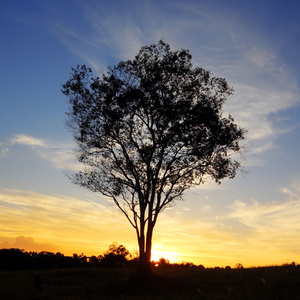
(116, 256)
(162, 263)
(116, 249)
(149, 129)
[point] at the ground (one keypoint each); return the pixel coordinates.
(274, 283)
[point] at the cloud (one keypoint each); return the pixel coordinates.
(74, 225)
(267, 216)
(116, 34)
(262, 83)
(255, 109)
(274, 225)
(253, 233)
(60, 156)
(197, 237)
(3, 150)
(28, 244)
(26, 140)
(261, 58)
(262, 91)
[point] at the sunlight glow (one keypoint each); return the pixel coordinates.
(171, 256)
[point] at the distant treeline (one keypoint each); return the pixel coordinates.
(116, 256)
(17, 259)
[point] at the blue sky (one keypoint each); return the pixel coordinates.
(255, 45)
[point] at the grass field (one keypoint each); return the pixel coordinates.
(276, 283)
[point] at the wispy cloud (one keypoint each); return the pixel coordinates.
(273, 225)
(3, 150)
(23, 139)
(262, 83)
(254, 108)
(60, 156)
(253, 233)
(250, 233)
(271, 216)
(70, 223)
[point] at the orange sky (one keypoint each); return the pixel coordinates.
(36, 222)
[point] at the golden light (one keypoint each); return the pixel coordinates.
(171, 256)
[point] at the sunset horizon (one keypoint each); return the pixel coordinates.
(208, 247)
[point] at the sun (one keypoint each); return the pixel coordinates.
(171, 256)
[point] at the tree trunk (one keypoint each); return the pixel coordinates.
(145, 251)
(145, 263)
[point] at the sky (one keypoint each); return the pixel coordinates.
(255, 45)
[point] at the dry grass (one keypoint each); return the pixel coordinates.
(274, 283)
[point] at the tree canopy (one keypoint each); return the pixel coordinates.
(149, 129)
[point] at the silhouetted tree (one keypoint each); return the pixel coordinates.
(94, 261)
(163, 262)
(119, 250)
(149, 129)
(14, 259)
(239, 266)
(79, 260)
(116, 256)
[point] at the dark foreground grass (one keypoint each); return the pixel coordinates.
(276, 283)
